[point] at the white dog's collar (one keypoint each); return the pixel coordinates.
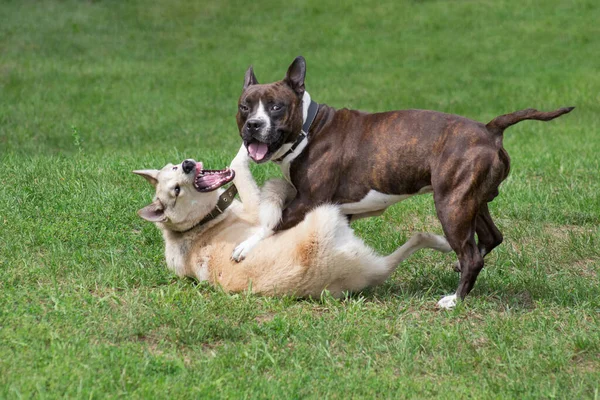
(225, 200)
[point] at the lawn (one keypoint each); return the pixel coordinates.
(91, 90)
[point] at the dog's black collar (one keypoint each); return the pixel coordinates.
(225, 200)
(313, 109)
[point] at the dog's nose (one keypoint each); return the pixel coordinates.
(188, 166)
(255, 125)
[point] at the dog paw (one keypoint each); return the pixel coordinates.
(239, 253)
(243, 249)
(447, 302)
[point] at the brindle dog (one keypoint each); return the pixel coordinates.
(368, 161)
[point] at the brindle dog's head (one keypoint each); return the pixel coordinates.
(270, 115)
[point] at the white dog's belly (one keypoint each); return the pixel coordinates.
(375, 201)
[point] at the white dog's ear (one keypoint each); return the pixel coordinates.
(153, 212)
(151, 175)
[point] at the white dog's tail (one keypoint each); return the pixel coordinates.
(417, 242)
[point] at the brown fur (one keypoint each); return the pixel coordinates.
(350, 153)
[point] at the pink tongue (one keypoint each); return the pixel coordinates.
(257, 150)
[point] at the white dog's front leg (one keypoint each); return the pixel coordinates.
(243, 249)
(273, 196)
(244, 181)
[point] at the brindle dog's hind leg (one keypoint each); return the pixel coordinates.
(458, 216)
(488, 235)
(461, 205)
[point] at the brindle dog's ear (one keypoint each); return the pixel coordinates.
(250, 78)
(153, 212)
(296, 74)
(150, 175)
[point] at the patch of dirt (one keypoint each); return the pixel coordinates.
(320, 310)
(151, 342)
(210, 348)
(510, 300)
(562, 232)
(267, 317)
(587, 268)
(585, 362)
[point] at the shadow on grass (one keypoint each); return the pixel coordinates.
(499, 286)
(513, 293)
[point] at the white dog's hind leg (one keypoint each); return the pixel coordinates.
(275, 193)
(244, 181)
(417, 242)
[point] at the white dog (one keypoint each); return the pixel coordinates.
(202, 224)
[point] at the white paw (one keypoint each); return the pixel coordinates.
(447, 302)
(243, 249)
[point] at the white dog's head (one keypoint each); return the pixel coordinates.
(185, 193)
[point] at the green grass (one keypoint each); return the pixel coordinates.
(90, 90)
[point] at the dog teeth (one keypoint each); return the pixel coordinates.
(204, 173)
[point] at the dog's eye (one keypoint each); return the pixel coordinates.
(275, 107)
(177, 190)
(243, 108)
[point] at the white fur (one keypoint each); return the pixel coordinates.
(244, 248)
(273, 197)
(243, 176)
(373, 201)
(202, 269)
(285, 163)
(261, 115)
(377, 201)
(447, 302)
(320, 253)
(175, 255)
(247, 188)
(269, 217)
(282, 150)
(305, 104)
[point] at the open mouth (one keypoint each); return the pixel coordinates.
(258, 151)
(207, 180)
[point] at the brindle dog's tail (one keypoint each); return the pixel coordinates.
(499, 124)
